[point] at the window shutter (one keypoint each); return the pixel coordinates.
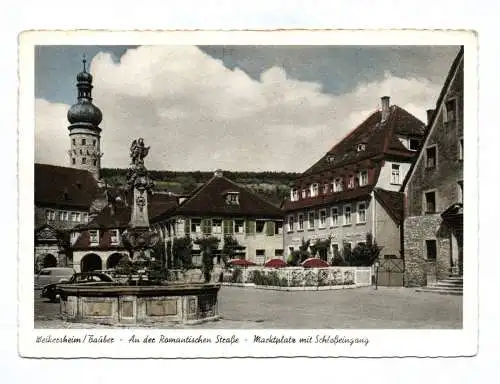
(228, 227)
(250, 227)
(270, 228)
(206, 226)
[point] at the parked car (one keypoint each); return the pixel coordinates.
(52, 292)
(52, 275)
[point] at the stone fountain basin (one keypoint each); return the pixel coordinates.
(114, 304)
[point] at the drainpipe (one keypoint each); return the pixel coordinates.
(374, 236)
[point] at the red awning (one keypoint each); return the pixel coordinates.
(313, 262)
(241, 262)
(275, 263)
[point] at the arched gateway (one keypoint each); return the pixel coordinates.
(114, 259)
(91, 262)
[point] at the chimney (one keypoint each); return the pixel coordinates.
(218, 173)
(385, 108)
(430, 114)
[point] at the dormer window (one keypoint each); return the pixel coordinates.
(361, 147)
(325, 189)
(450, 111)
(114, 236)
(304, 194)
(350, 182)
(94, 237)
(363, 178)
(314, 189)
(294, 194)
(233, 198)
(330, 158)
(337, 185)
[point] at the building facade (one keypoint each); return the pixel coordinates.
(221, 208)
(353, 190)
(433, 227)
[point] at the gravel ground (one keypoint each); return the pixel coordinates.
(363, 308)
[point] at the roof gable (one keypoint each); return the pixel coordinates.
(211, 199)
(393, 203)
(435, 117)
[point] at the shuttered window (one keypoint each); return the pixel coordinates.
(270, 228)
(206, 226)
(250, 227)
(228, 227)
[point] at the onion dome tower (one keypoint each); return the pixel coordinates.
(84, 132)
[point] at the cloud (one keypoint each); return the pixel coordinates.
(196, 114)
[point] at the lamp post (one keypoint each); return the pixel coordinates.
(377, 263)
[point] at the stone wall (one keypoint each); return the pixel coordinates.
(418, 270)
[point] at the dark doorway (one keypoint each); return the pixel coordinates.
(49, 261)
(113, 260)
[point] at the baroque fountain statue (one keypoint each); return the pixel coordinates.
(158, 302)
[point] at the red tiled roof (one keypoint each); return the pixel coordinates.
(64, 187)
(393, 203)
(379, 138)
(210, 199)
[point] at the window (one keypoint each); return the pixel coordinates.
(94, 142)
(278, 253)
(431, 249)
(290, 224)
(294, 194)
(216, 226)
(73, 216)
(73, 141)
(196, 257)
(330, 158)
(414, 144)
(114, 234)
(84, 160)
(430, 157)
(85, 217)
(232, 198)
(196, 225)
(73, 161)
(94, 237)
(50, 215)
(63, 216)
(335, 217)
(460, 191)
(94, 162)
(239, 226)
(335, 249)
(361, 147)
(304, 194)
(361, 212)
(395, 179)
(310, 217)
(450, 111)
(314, 190)
(278, 227)
(84, 142)
(300, 222)
(430, 202)
(363, 178)
(347, 215)
(260, 256)
(322, 218)
(337, 185)
(325, 189)
(350, 182)
(461, 149)
(259, 226)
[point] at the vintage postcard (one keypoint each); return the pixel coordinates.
(248, 194)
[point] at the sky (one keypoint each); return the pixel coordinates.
(239, 108)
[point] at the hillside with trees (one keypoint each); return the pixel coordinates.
(273, 186)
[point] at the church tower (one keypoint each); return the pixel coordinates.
(84, 132)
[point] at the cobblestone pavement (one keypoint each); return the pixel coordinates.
(363, 308)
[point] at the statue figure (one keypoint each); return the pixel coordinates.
(138, 151)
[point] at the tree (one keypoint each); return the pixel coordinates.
(181, 252)
(298, 256)
(207, 246)
(231, 249)
(365, 254)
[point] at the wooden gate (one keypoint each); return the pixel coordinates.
(390, 272)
